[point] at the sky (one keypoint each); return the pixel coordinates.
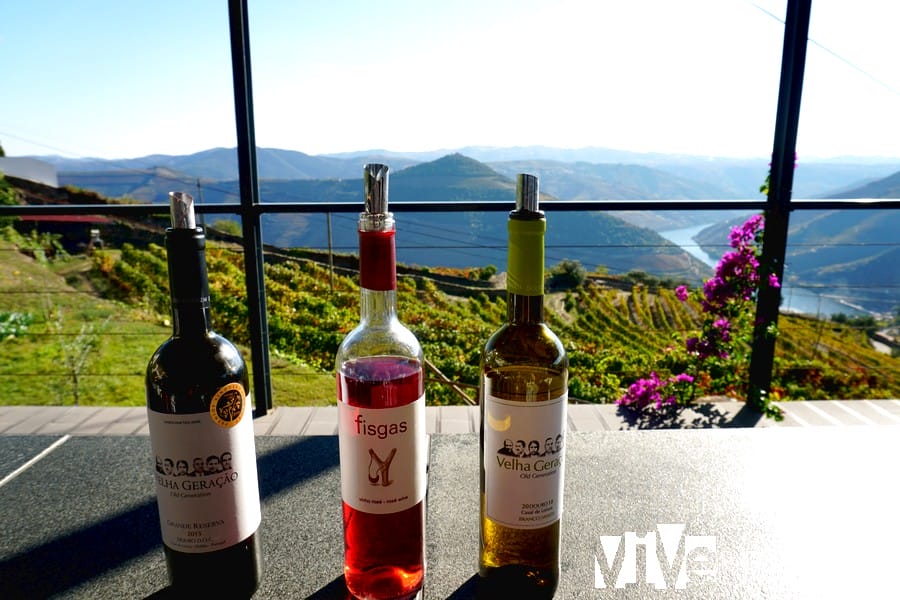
(112, 79)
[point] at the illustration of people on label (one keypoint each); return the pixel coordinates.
(519, 449)
(549, 447)
(532, 449)
(199, 467)
(214, 463)
(379, 469)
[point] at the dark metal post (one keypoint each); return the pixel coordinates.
(250, 215)
(330, 255)
(778, 205)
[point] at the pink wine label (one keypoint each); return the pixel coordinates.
(207, 487)
(383, 456)
(524, 461)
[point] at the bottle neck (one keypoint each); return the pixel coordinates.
(525, 271)
(188, 282)
(377, 271)
(377, 307)
(524, 309)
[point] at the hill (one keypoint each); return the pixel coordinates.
(467, 239)
(727, 177)
(585, 173)
(850, 254)
(69, 309)
(593, 181)
(451, 239)
(478, 238)
(888, 187)
(615, 330)
(218, 164)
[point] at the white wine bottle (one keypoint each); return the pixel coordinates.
(381, 409)
(201, 434)
(523, 396)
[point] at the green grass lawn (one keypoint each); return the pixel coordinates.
(63, 304)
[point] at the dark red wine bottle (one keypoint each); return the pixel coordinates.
(201, 434)
(381, 408)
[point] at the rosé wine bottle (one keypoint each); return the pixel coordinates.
(381, 408)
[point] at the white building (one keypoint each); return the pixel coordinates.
(30, 169)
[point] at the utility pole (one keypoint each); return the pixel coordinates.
(778, 204)
(250, 215)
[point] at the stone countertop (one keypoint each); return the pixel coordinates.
(772, 512)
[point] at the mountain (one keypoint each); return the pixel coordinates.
(889, 187)
(729, 177)
(852, 254)
(607, 181)
(148, 185)
(475, 238)
(711, 177)
(587, 173)
(593, 181)
(222, 164)
(856, 248)
(452, 178)
(453, 239)
(742, 178)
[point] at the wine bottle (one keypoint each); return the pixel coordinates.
(201, 434)
(381, 416)
(523, 394)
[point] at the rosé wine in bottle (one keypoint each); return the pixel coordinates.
(381, 408)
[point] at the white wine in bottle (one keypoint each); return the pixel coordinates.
(523, 396)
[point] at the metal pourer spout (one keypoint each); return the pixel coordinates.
(375, 184)
(527, 193)
(182, 209)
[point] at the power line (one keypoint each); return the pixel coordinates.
(841, 58)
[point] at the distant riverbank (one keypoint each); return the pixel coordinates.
(793, 298)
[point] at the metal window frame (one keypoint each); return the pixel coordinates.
(777, 206)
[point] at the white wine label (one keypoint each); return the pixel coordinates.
(383, 456)
(524, 452)
(207, 487)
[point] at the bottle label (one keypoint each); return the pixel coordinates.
(524, 461)
(206, 482)
(383, 456)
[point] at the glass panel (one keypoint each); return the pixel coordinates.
(106, 80)
(695, 77)
(848, 146)
(851, 93)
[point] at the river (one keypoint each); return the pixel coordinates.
(793, 298)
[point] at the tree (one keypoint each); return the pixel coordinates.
(228, 226)
(485, 273)
(567, 274)
(76, 350)
(7, 197)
